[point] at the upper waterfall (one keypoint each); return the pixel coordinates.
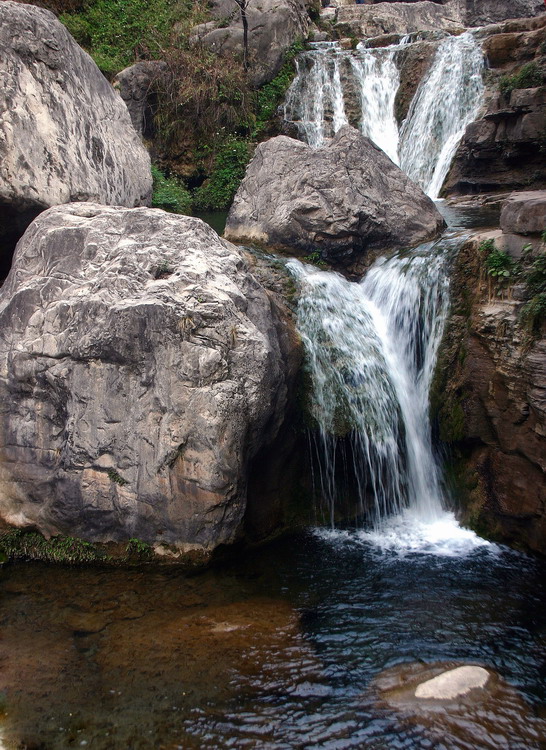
(334, 86)
(447, 100)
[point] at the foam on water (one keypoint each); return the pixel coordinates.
(408, 533)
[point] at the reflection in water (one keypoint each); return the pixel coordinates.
(284, 649)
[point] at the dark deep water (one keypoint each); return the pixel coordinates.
(279, 650)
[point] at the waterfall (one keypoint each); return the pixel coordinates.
(334, 86)
(371, 349)
(330, 81)
(447, 100)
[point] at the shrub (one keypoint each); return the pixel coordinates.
(230, 163)
(533, 314)
(272, 94)
(527, 77)
(169, 193)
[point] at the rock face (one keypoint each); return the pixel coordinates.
(136, 86)
(142, 367)
(479, 12)
(273, 26)
(343, 200)
(504, 149)
(491, 399)
(64, 133)
(397, 18)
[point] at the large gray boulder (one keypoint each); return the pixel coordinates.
(343, 200)
(142, 366)
(65, 135)
(273, 26)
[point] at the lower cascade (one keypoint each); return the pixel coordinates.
(371, 350)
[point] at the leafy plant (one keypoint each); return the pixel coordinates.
(19, 544)
(533, 314)
(315, 258)
(230, 163)
(169, 193)
(527, 77)
(499, 266)
(136, 548)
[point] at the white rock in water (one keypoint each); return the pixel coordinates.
(453, 683)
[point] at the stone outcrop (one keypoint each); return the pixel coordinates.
(490, 392)
(65, 135)
(273, 26)
(397, 18)
(142, 367)
(344, 200)
(480, 12)
(137, 87)
(504, 149)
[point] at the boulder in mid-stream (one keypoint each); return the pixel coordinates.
(65, 135)
(346, 200)
(142, 367)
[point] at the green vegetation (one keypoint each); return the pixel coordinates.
(19, 544)
(527, 77)
(208, 116)
(119, 32)
(137, 549)
(271, 95)
(169, 193)
(218, 191)
(500, 267)
(116, 477)
(533, 313)
(315, 258)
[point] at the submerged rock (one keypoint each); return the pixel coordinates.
(453, 683)
(142, 367)
(65, 135)
(342, 200)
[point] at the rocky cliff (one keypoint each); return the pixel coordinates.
(490, 392)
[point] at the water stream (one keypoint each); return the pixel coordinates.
(334, 86)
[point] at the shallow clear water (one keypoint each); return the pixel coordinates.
(283, 649)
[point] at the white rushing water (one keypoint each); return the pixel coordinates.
(447, 100)
(331, 81)
(335, 86)
(371, 349)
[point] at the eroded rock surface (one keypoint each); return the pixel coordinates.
(65, 135)
(397, 18)
(273, 26)
(343, 200)
(142, 367)
(491, 399)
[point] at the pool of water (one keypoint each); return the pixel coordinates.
(285, 648)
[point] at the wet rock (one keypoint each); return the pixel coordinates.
(491, 398)
(413, 63)
(64, 133)
(273, 26)
(136, 86)
(343, 200)
(142, 367)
